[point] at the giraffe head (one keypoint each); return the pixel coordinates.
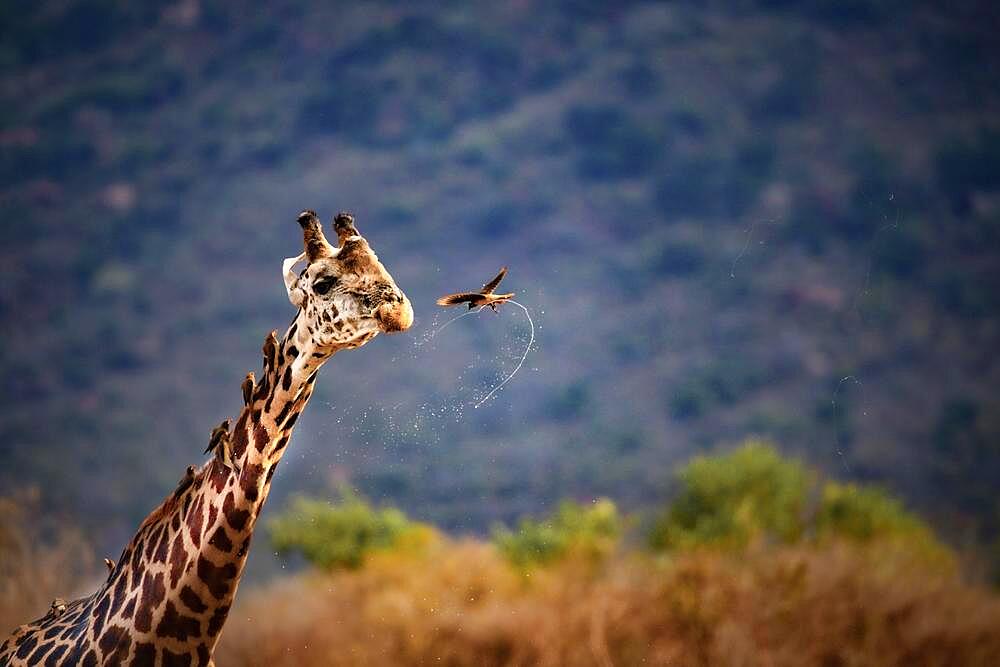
(344, 295)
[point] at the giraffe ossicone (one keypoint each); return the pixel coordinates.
(167, 598)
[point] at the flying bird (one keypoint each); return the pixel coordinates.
(484, 297)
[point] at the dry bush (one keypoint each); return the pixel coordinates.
(462, 604)
(39, 561)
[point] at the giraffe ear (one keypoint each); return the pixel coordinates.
(295, 293)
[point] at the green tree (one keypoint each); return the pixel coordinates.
(731, 500)
(862, 513)
(591, 531)
(870, 515)
(337, 535)
(753, 494)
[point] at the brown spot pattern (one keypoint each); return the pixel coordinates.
(53, 658)
(194, 522)
(238, 440)
(220, 540)
(260, 437)
(145, 655)
(39, 653)
(191, 600)
(284, 413)
(129, 608)
(171, 659)
(162, 547)
(177, 625)
(100, 614)
(217, 477)
(120, 586)
(218, 619)
(151, 541)
(153, 592)
(216, 578)
(178, 559)
(136, 558)
(115, 645)
(244, 547)
(250, 478)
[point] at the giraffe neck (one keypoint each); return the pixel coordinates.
(265, 425)
(176, 580)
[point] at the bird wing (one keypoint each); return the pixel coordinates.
(492, 285)
(455, 299)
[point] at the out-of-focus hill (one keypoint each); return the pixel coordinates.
(777, 219)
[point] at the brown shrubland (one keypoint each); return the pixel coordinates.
(433, 600)
(461, 603)
(39, 561)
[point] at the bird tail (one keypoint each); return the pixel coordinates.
(452, 299)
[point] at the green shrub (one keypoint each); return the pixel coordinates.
(731, 500)
(753, 494)
(591, 531)
(337, 535)
(871, 516)
(863, 513)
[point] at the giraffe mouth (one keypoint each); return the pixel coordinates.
(394, 317)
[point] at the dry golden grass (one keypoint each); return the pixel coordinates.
(435, 601)
(459, 603)
(38, 562)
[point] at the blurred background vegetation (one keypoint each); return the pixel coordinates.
(756, 555)
(754, 219)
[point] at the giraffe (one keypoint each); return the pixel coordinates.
(166, 599)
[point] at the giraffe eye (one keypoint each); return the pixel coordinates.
(324, 285)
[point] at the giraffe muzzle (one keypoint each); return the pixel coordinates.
(395, 316)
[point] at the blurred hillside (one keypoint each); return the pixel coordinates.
(762, 218)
